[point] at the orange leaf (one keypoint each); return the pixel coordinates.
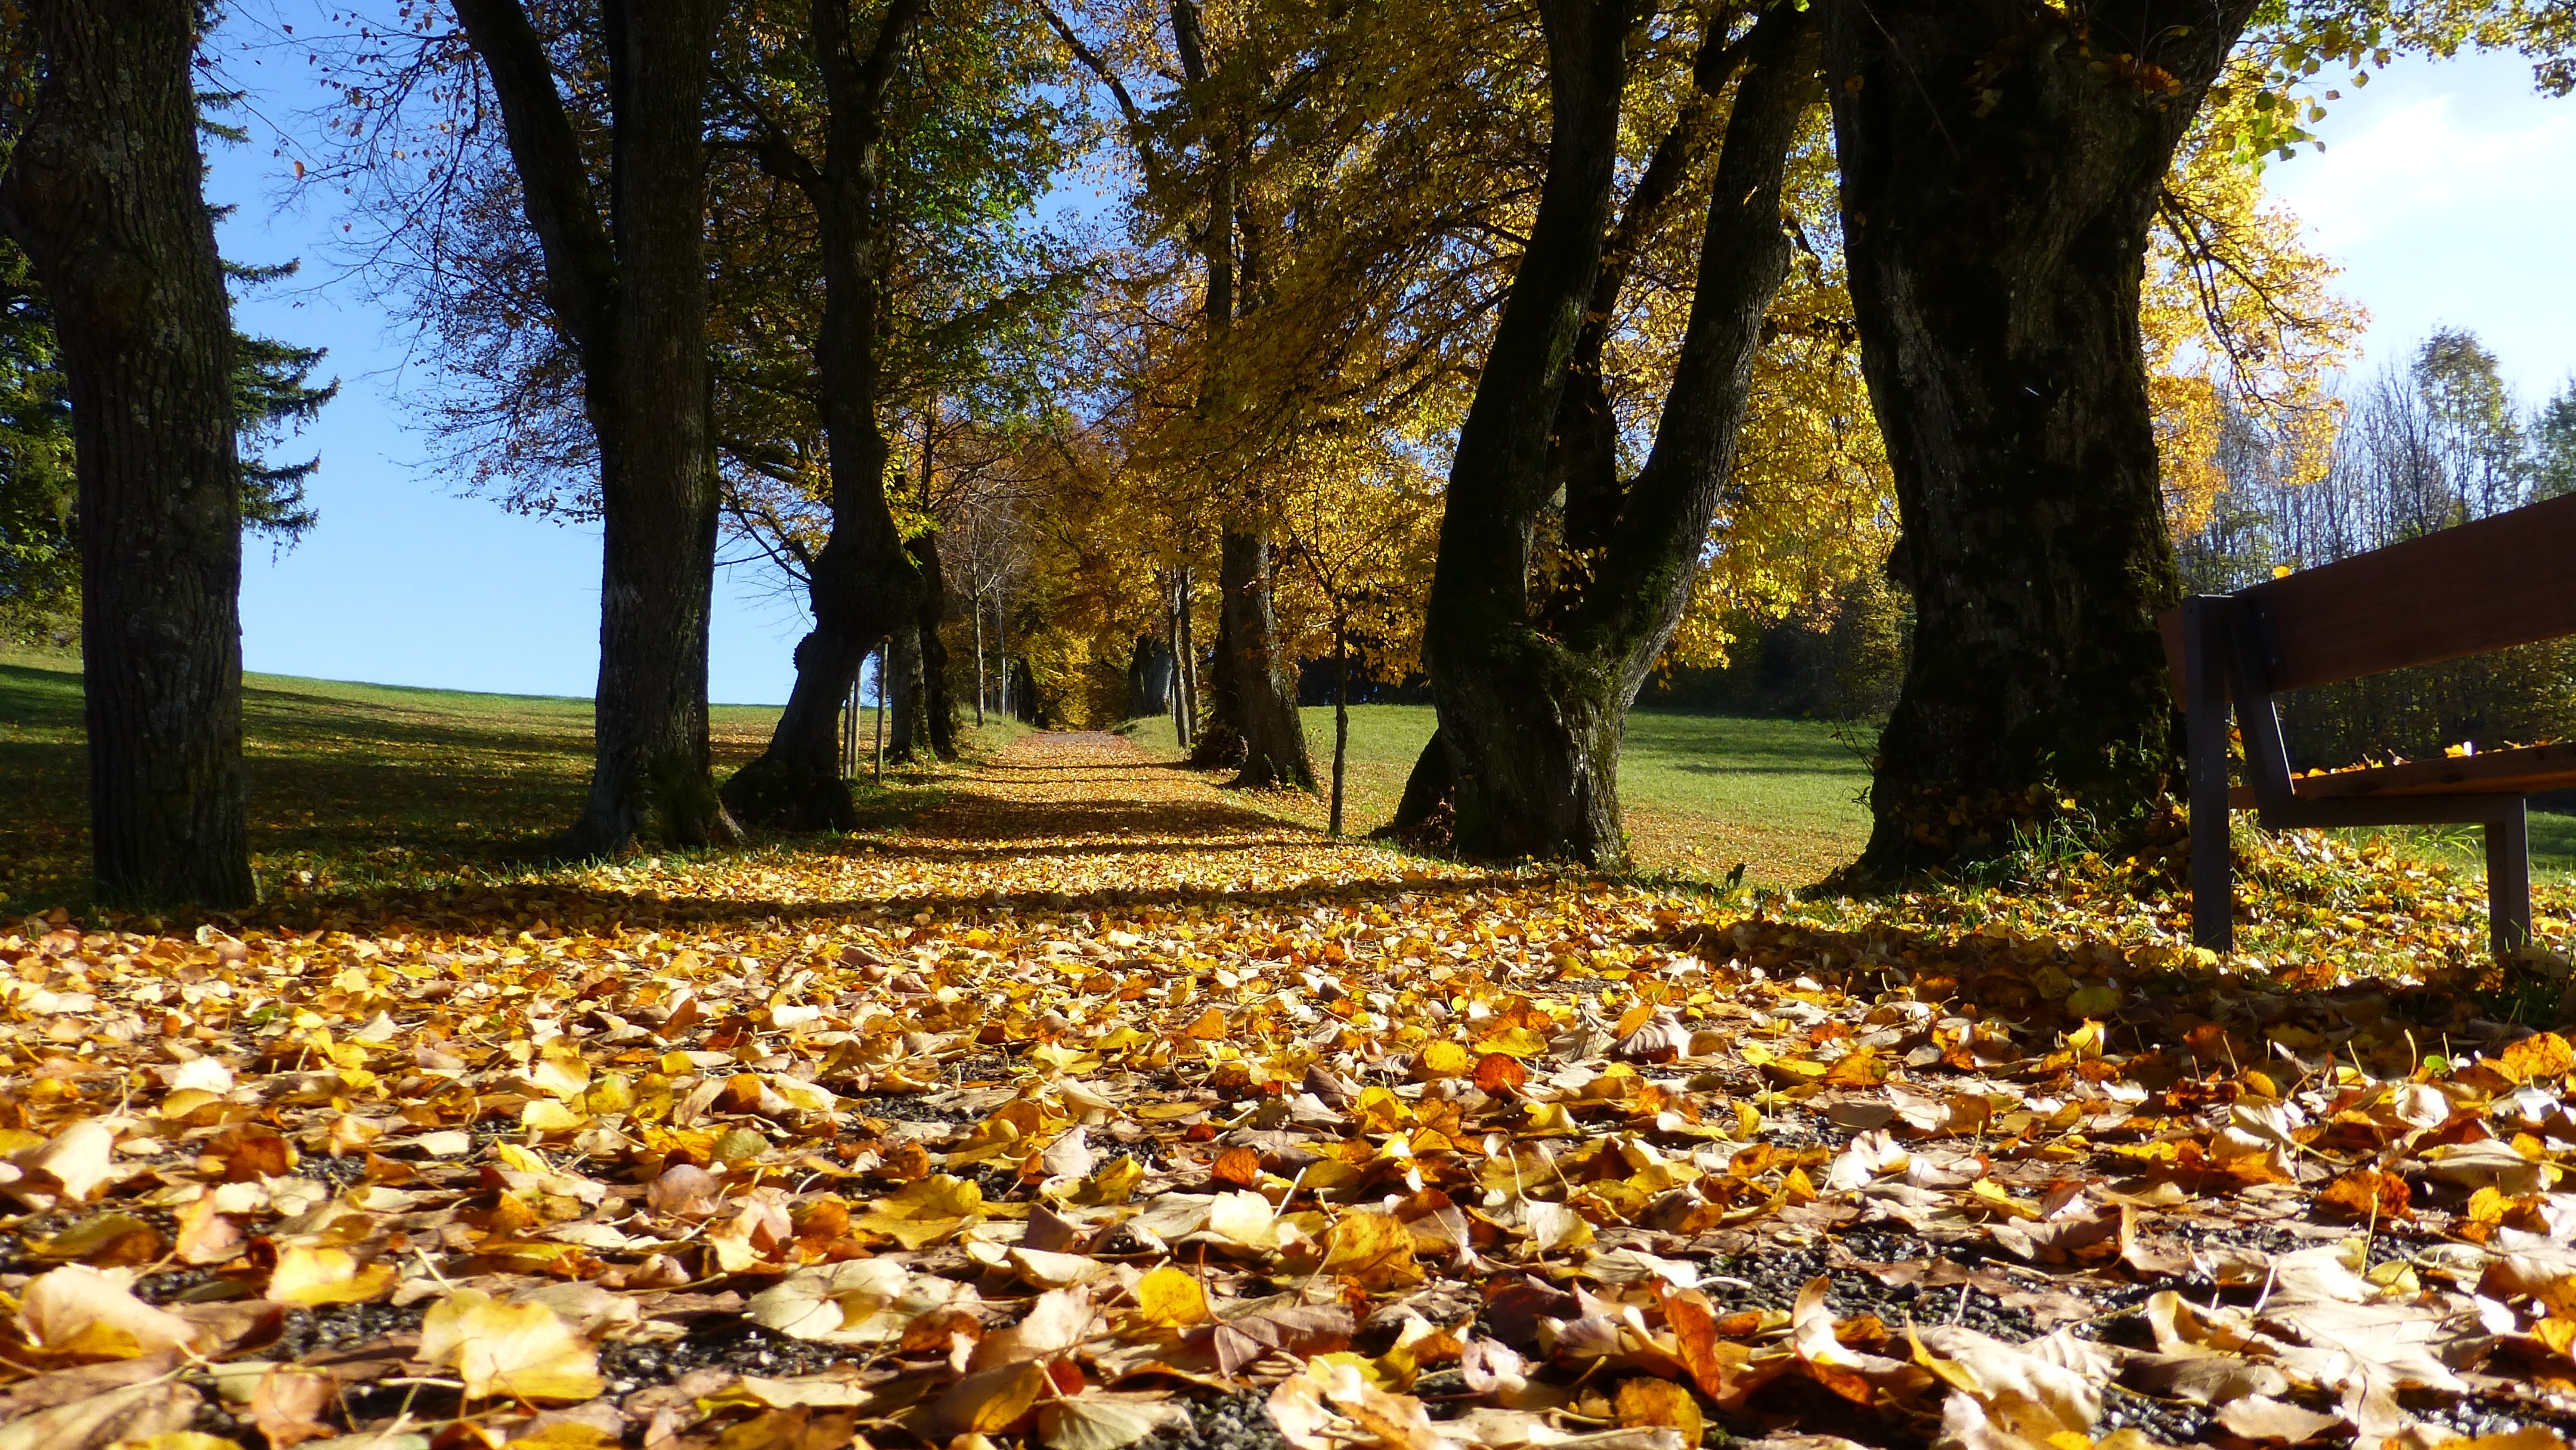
(1496, 1073)
(1238, 1166)
(2367, 1193)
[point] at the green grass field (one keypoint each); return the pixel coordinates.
(352, 786)
(1703, 792)
(358, 786)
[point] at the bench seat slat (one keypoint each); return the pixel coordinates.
(2524, 770)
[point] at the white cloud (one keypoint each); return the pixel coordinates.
(2443, 194)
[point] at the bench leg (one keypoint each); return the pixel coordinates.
(2213, 896)
(2509, 882)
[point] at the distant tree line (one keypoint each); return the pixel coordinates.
(2433, 441)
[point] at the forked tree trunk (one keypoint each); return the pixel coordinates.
(105, 194)
(1533, 694)
(631, 293)
(2001, 162)
(864, 584)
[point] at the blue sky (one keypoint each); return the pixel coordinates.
(2441, 194)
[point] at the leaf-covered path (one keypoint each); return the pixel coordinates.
(1093, 1109)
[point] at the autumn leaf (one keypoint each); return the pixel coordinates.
(1373, 1250)
(307, 1275)
(523, 1350)
(1170, 1297)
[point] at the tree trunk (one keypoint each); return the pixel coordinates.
(1185, 675)
(631, 293)
(1533, 694)
(979, 661)
(1264, 697)
(1432, 784)
(1219, 744)
(2000, 170)
(864, 583)
(105, 194)
(938, 697)
(1149, 678)
(908, 722)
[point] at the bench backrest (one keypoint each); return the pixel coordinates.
(2488, 585)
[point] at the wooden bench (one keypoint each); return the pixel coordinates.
(2480, 587)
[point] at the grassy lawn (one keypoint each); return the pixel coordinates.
(1706, 791)
(352, 786)
(1702, 791)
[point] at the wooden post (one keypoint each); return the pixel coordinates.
(2509, 881)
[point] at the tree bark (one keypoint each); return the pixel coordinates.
(1533, 694)
(1253, 722)
(1185, 665)
(630, 291)
(105, 194)
(980, 685)
(907, 722)
(2001, 163)
(1266, 721)
(938, 695)
(1432, 784)
(864, 584)
(1149, 677)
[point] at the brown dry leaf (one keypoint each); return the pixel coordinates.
(80, 1312)
(1238, 1165)
(1069, 1156)
(2262, 1419)
(287, 1405)
(1056, 1322)
(2368, 1195)
(1333, 1403)
(1297, 1330)
(118, 1416)
(1106, 1420)
(71, 1168)
(1500, 1074)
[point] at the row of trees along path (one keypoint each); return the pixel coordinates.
(1993, 225)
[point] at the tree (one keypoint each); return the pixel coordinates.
(273, 397)
(628, 292)
(105, 193)
(1360, 536)
(1197, 151)
(865, 584)
(895, 169)
(1533, 672)
(2553, 444)
(2002, 164)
